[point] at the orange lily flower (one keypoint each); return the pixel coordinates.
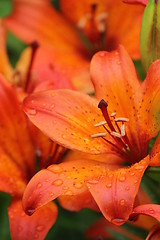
(61, 42)
(121, 125)
(17, 166)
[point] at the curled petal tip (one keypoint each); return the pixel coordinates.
(29, 211)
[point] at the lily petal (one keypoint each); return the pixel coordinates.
(115, 80)
(149, 105)
(15, 139)
(155, 153)
(67, 117)
(27, 227)
(73, 178)
(143, 2)
(12, 179)
(66, 179)
(5, 66)
(77, 202)
(62, 45)
(152, 210)
(121, 186)
(107, 20)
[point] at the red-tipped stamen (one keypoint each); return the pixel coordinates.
(34, 45)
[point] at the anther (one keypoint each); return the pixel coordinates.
(113, 114)
(115, 134)
(100, 123)
(98, 135)
(123, 130)
(121, 119)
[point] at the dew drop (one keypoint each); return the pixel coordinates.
(30, 211)
(78, 185)
(64, 136)
(51, 194)
(122, 202)
(39, 185)
(31, 111)
(132, 173)
(139, 168)
(122, 179)
(65, 188)
(92, 181)
(52, 106)
(56, 169)
(135, 182)
(102, 54)
(118, 221)
(58, 182)
(40, 228)
(118, 62)
(127, 188)
(109, 185)
(69, 193)
(36, 236)
(151, 211)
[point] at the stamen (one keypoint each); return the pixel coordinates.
(100, 123)
(98, 135)
(123, 130)
(121, 119)
(34, 45)
(115, 134)
(113, 114)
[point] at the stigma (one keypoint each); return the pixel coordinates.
(115, 127)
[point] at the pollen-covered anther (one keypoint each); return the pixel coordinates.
(113, 114)
(100, 123)
(121, 119)
(98, 135)
(123, 130)
(115, 134)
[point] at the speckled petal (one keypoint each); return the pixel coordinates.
(27, 227)
(68, 118)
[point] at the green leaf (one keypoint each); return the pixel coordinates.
(154, 173)
(150, 34)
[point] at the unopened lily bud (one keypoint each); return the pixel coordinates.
(150, 34)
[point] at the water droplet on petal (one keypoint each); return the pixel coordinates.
(52, 106)
(78, 185)
(118, 62)
(118, 221)
(151, 211)
(31, 111)
(64, 136)
(39, 185)
(56, 169)
(36, 236)
(109, 185)
(30, 211)
(122, 202)
(102, 54)
(40, 228)
(122, 179)
(92, 181)
(65, 188)
(51, 194)
(69, 193)
(139, 167)
(58, 182)
(132, 173)
(127, 188)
